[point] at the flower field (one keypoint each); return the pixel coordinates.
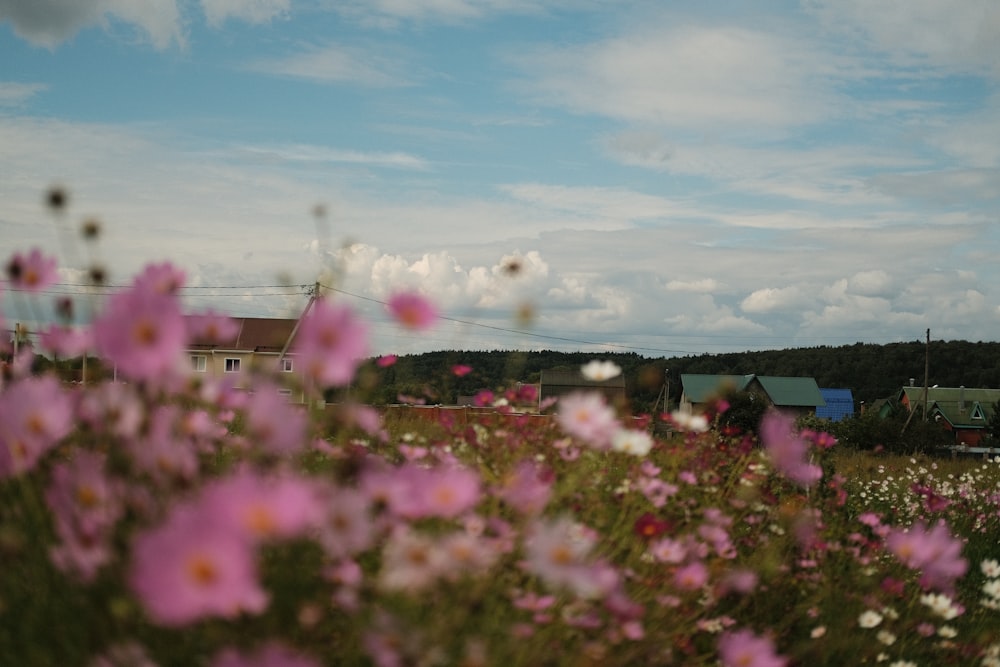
(165, 520)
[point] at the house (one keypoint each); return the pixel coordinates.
(839, 404)
(559, 382)
(257, 344)
(963, 411)
(797, 395)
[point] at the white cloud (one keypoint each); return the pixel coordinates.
(311, 153)
(687, 74)
(13, 93)
(51, 22)
(773, 299)
(251, 11)
(871, 283)
(958, 34)
(337, 64)
(696, 286)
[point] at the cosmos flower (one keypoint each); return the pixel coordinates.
(35, 414)
(787, 449)
(587, 416)
(631, 441)
(743, 648)
(412, 310)
(187, 569)
(599, 371)
(331, 342)
(933, 552)
(32, 272)
(141, 332)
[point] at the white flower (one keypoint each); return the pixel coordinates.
(598, 371)
(990, 567)
(903, 663)
(869, 619)
(886, 637)
(992, 588)
(947, 631)
(941, 605)
(686, 421)
(818, 631)
(631, 441)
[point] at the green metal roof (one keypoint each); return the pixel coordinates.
(961, 406)
(782, 391)
(701, 388)
(792, 391)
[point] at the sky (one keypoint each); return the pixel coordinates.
(665, 178)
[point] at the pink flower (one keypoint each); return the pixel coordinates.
(412, 310)
(386, 360)
(66, 342)
(141, 332)
(263, 508)
(692, 576)
(461, 370)
(787, 449)
(85, 506)
(557, 551)
(32, 272)
(743, 648)
(35, 414)
(528, 488)
(164, 278)
(935, 553)
(211, 327)
(588, 417)
(411, 561)
(275, 424)
(187, 569)
(347, 527)
(331, 342)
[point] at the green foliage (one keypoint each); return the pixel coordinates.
(870, 432)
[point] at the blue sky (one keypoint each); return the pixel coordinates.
(671, 178)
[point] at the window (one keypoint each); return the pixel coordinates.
(287, 393)
(199, 363)
(286, 365)
(232, 365)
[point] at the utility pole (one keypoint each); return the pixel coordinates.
(927, 370)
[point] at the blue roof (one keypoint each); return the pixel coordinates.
(839, 404)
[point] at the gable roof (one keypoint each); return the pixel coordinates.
(782, 391)
(701, 388)
(792, 391)
(839, 404)
(961, 407)
(254, 334)
(574, 378)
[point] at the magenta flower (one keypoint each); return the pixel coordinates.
(528, 488)
(211, 327)
(32, 272)
(347, 527)
(263, 508)
(142, 333)
(276, 425)
(164, 278)
(461, 370)
(412, 310)
(331, 342)
(588, 417)
(934, 553)
(85, 506)
(66, 342)
(386, 360)
(187, 569)
(35, 414)
(788, 450)
(743, 648)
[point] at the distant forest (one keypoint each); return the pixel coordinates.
(869, 371)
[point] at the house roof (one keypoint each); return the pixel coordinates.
(792, 391)
(839, 404)
(782, 391)
(574, 378)
(254, 334)
(701, 388)
(960, 406)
